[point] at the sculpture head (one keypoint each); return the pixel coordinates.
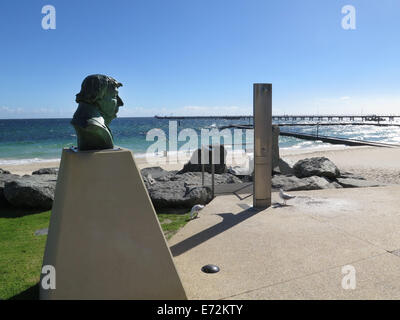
(101, 91)
(98, 106)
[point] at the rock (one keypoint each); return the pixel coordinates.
(46, 171)
(194, 178)
(317, 166)
(35, 191)
(175, 190)
(351, 175)
(3, 179)
(283, 168)
(42, 232)
(292, 183)
(176, 194)
(357, 183)
(194, 165)
(337, 185)
(155, 172)
(2, 171)
(317, 183)
(288, 183)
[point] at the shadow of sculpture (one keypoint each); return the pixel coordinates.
(32, 293)
(229, 220)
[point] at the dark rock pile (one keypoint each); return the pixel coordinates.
(182, 189)
(194, 164)
(172, 189)
(31, 192)
(318, 173)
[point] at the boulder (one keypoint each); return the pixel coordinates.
(177, 195)
(4, 178)
(357, 183)
(175, 190)
(282, 168)
(317, 183)
(292, 183)
(317, 166)
(194, 178)
(157, 173)
(194, 164)
(46, 171)
(350, 175)
(2, 171)
(36, 191)
(288, 183)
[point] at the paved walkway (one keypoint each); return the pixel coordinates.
(297, 251)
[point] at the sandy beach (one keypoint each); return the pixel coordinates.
(373, 163)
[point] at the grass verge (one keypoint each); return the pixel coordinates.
(21, 251)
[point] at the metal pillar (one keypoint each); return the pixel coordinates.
(213, 160)
(262, 111)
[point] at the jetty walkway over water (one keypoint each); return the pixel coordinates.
(376, 118)
(332, 120)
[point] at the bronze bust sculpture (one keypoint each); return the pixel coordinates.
(98, 106)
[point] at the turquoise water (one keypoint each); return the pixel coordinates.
(26, 140)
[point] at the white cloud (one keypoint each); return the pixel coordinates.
(42, 112)
(9, 110)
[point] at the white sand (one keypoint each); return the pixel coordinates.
(380, 164)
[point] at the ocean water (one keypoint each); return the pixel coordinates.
(35, 140)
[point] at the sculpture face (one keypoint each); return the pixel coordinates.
(109, 104)
(98, 106)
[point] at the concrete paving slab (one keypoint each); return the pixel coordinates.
(256, 249)
(377, 277)
(370, 214)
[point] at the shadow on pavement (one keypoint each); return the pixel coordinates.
(229, 220)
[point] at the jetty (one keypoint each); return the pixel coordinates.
(204, 117)
(331, 120)
(374, 117)
(335, 140)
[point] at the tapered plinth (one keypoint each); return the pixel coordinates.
(104, 239)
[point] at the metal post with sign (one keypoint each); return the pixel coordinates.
(262, 111)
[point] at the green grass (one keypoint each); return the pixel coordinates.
(21, 252)
(171, 223)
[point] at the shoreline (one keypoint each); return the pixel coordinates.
(27, 166)
(372, 163)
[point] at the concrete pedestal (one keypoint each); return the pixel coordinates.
(104, 239)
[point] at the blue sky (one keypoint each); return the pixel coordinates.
(201, 57)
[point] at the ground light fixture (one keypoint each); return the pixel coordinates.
(210, 268)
